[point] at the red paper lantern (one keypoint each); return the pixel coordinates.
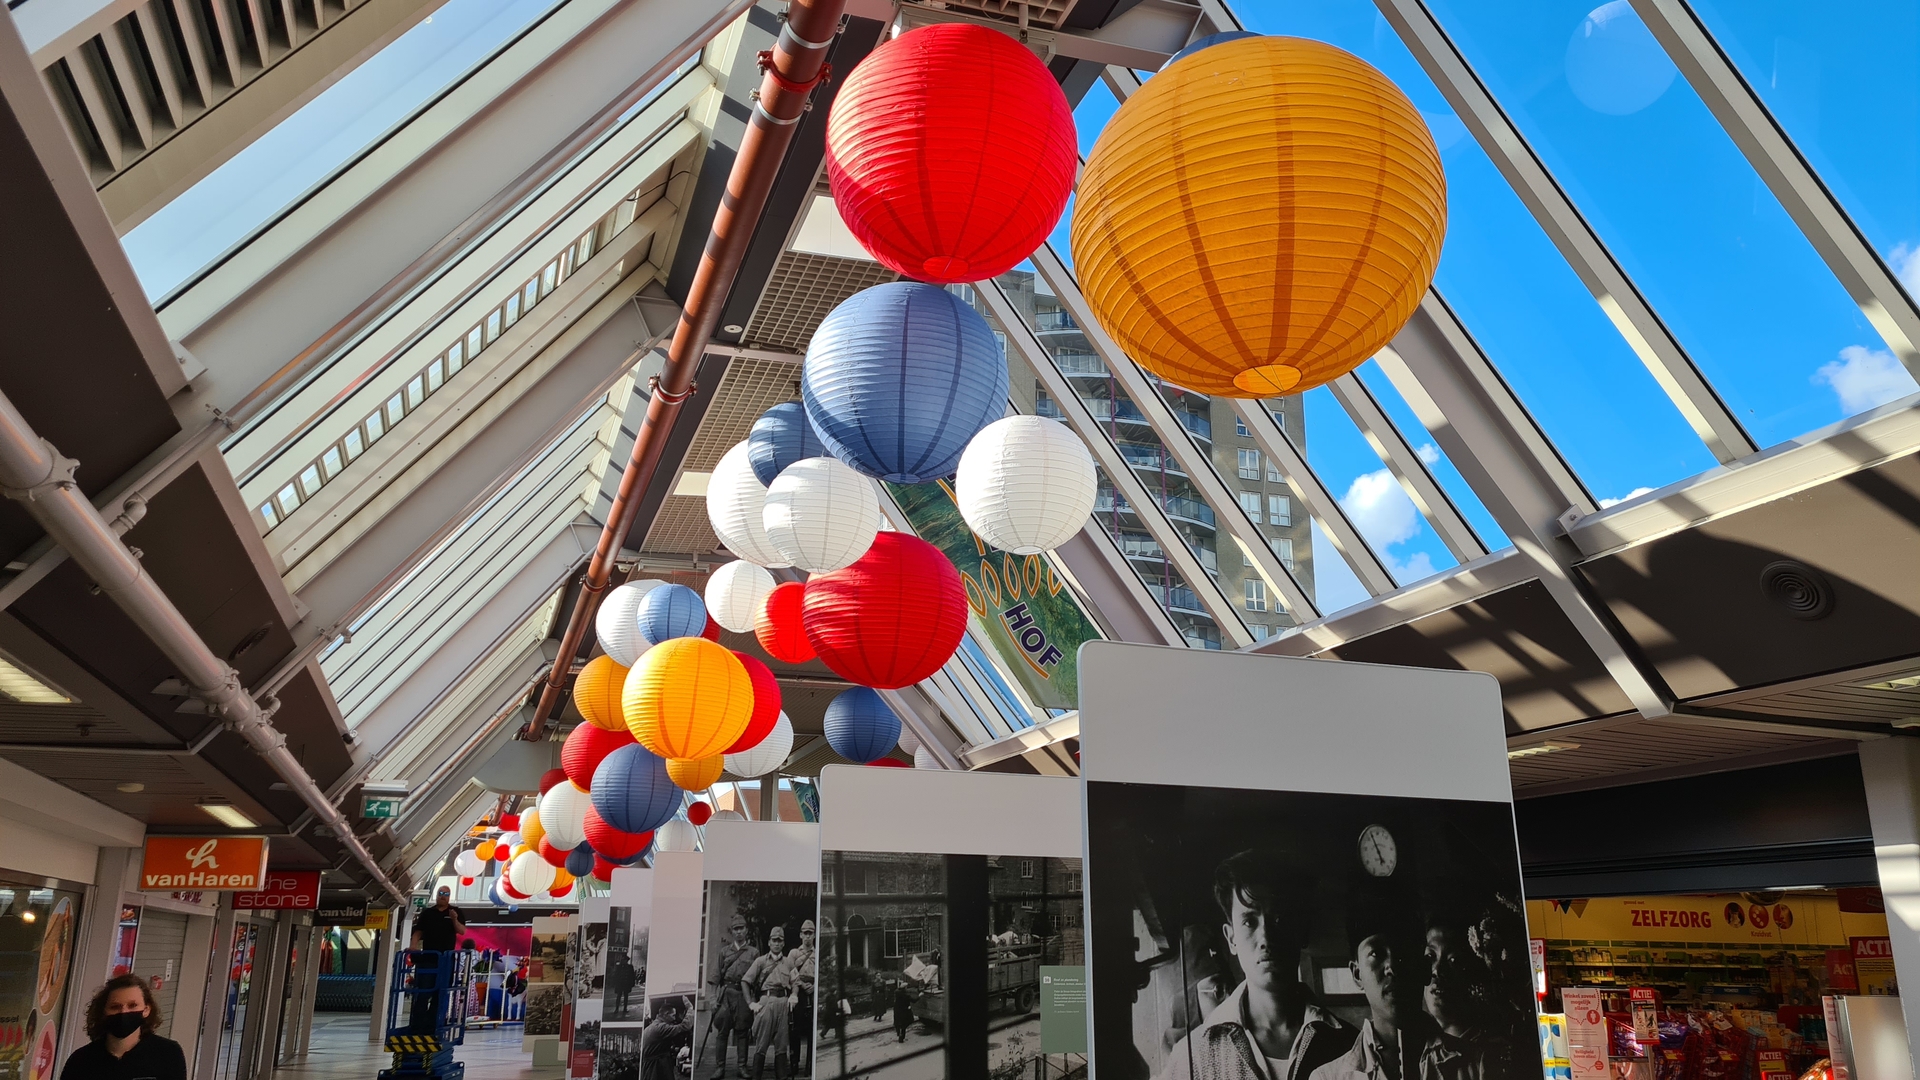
(951, 152)
(552, 777)
(509, 822)
(712, 630)
(553, 855)
(602, 869)
(560, 890)
(506, 886)
(700, 813)
(892, 617)
(766, 704)
(586, 746)
(890, 763)
(609, 842)
(466, 881)
(778, 624)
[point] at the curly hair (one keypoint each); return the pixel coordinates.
(97, 1008)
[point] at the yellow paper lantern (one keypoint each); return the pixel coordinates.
(516, 851)
(1260, 217)
(485, 850)
(696, 774)
(596, 693)
(530, 829)
(688, 698)
(561, 879)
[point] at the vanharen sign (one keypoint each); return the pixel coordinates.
(219, 863)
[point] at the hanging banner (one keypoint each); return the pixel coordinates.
(293, 890)
(1032, 619)
(214, 863)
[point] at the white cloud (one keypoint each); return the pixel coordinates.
(1904, 261)
(1863, 378)
(1428, 453)
(1380, 509)
(1634, 494)
(1413, 569)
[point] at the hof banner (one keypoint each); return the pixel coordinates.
(1034, 622)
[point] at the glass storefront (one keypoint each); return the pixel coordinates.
(37, 924)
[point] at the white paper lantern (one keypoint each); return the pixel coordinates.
(510, 841)
(676, 835)
(923, 758)
(530, 873)
(1026, 484)
(735, 499)
(735, 593)
(766, 755)
(467, 864)
(729, 815)
(615, 626)
(821, 514)
(563, 813)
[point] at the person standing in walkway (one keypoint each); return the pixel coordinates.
(121, 1020)
(440, 926)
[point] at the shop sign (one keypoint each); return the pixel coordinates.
(1537, 956)
(1873, 964)
(286, 890)
(341, 913)
(1840, 973)
(1032, 620)
(1723, 919)
(1586, 1032)
(377, 919)
(211, 863)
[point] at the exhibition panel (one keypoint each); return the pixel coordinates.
(981, 539)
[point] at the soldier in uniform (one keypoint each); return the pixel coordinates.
(800, 1036)
(769, 986)
(731, 1016)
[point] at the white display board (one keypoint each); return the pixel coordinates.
(937, 810)
(761, 851)
(1263, 832)
(673, 948)
(757, 948)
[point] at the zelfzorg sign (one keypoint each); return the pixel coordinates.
(219, 863)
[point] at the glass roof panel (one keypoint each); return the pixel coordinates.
(1509, 285)
(304, 149)
(1438, 463)
(1848, 96)
(1676, 202)
(1089, 119)
(1370, 494)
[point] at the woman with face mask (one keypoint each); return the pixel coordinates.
(120, 1020)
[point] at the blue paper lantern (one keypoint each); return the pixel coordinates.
(899, 378)
(632, 791)
(1205, 42)
(580, 861)
(632, 860)
(782, 436)
(670, 611)
(860, 727)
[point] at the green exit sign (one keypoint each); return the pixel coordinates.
(374, 807)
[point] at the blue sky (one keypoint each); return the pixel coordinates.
(1630, 142)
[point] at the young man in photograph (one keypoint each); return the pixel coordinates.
(731, 1017)
(1469, 1044)
(661, 1040)
(1269, 1027)
(769, 988)
(1390, 969)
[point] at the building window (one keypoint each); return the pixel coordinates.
(1260, 631)
(1282, 550)
(826, 881)
(1249, 464)
(1273, 475)
(1240, 428)
(856, 883)
(1256, 594)
(1026, 868)
(1250, 502)
(1279, 510)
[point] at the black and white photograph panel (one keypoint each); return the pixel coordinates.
(757, 977)
(625, 962)
(1305, 936)
(930, 964)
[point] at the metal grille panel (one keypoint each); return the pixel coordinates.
(800, 293)
(750, 387)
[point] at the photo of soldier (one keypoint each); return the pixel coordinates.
(751, 976)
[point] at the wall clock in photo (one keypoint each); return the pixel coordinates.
(1378, 853)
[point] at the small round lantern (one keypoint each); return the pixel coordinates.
(596, 690)
(735, 593)
(734, 499)
(563, 811)
(778, 625)
(632, 792)
(890, 619)
(821, 515)
(614, 624)
(700, 813)
(612, 843)
(677, 835)
(580, 861)
(695, 774)
(530, 874)
(859, 725)
(781, 436)
(899, 377)
(1026, 484)
(586, 747)
(766, 755)
(672, 611)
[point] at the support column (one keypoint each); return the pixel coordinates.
(264, 1000)
(193, 982)
(213, 1007)
(1891, 769)
(94, 939)
(382, 960)
(309, 993)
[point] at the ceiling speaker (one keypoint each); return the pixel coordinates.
(1803, 591)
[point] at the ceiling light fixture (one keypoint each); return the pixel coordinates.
(1904, 682)
(24, 688)
(131, 787)
(1538, 749)
(228, 816)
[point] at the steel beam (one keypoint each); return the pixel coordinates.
(1113, 595)
(1454, 390)
(1579, 244)
(1407, 467)
(1022, 340)
(1195, 462)
(1771, 152)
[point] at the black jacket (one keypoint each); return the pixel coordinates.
(152, 1058)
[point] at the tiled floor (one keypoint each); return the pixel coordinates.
(340, 1051)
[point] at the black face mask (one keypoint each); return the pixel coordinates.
(121, 1025)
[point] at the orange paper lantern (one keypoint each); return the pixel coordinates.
(696, 774)
(688, 698)
(1260, 217)
(596, 693)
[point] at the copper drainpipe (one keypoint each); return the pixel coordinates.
(795, 64)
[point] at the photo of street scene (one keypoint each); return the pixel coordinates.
(930, 964)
